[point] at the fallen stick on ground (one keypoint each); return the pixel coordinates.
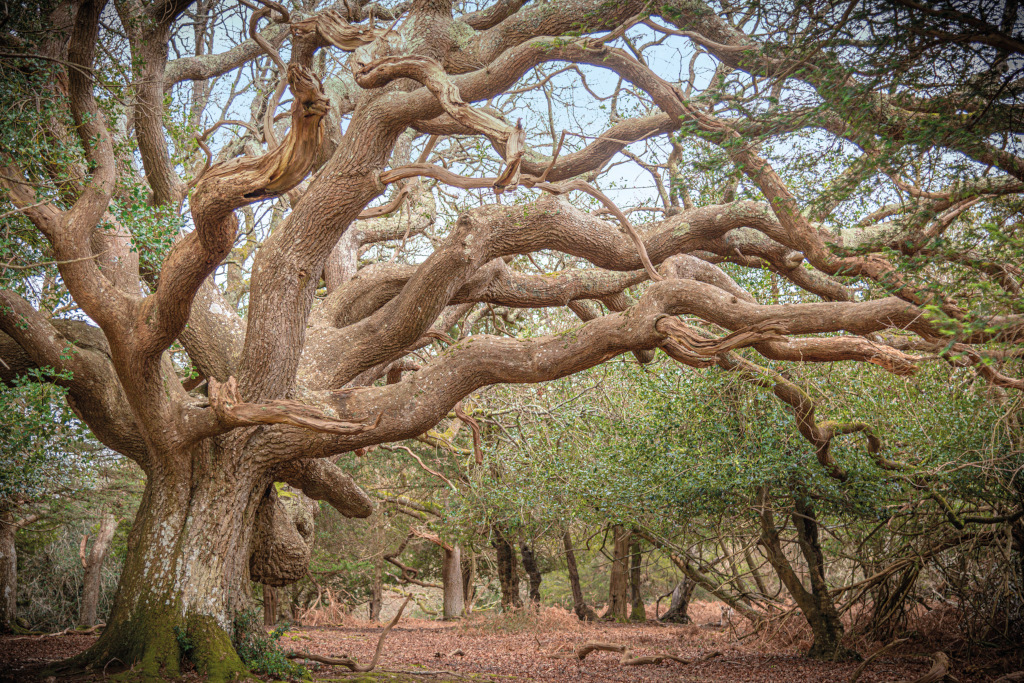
(1015, 677)
(348, 661)
(71, 631)
(627, 659)
(860, 669)
(407, 672)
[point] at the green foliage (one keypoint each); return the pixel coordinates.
(43, 445)
(185, 643)
(153, 228)
(260, 651)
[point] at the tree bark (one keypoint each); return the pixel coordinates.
(639, 611)
(187, 568)
(8, 573)
(618, 584)
(451, 579)
(508, 572)
(828, 630)
(270, 605)
(816, 605)
(582, 609)
(469, 580)
(530, 566)
(93, 566)
(376, 592)
(676, 613)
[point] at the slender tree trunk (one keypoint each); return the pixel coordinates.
(469, 580)
(828, 633)
(187, 570)
(451, 575)
(816, 605)
(93, 564)
(8, 573)
(676, 613)
(508, 572)
(377, 586)
(530, 566)
(376, 593)
(270, 605)
(583, 611)
(639, 611)
(618, 584)
(756, 573)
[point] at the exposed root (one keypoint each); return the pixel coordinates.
(939, 670)
(352, 664)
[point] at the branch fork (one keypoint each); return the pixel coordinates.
(432, 75)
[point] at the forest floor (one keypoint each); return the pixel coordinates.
(529, 647)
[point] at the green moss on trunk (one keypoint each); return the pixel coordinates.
(213, 653)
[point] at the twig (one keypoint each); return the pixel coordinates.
(860, 669)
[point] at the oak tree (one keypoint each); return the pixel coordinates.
(813, 141)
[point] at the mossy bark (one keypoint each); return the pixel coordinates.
(186, 574)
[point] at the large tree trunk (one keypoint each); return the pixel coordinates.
(618, 584)
(93, 564)
(639, 612)
(582, 609)
(8, 573)
(451, 579)
(508, 572)
(530, 565)
(676, 613)
(188, 568)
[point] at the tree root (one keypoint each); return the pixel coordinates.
(627, 659)
(352, 664)
(939, 670)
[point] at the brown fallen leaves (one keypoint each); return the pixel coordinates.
(518, 647)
